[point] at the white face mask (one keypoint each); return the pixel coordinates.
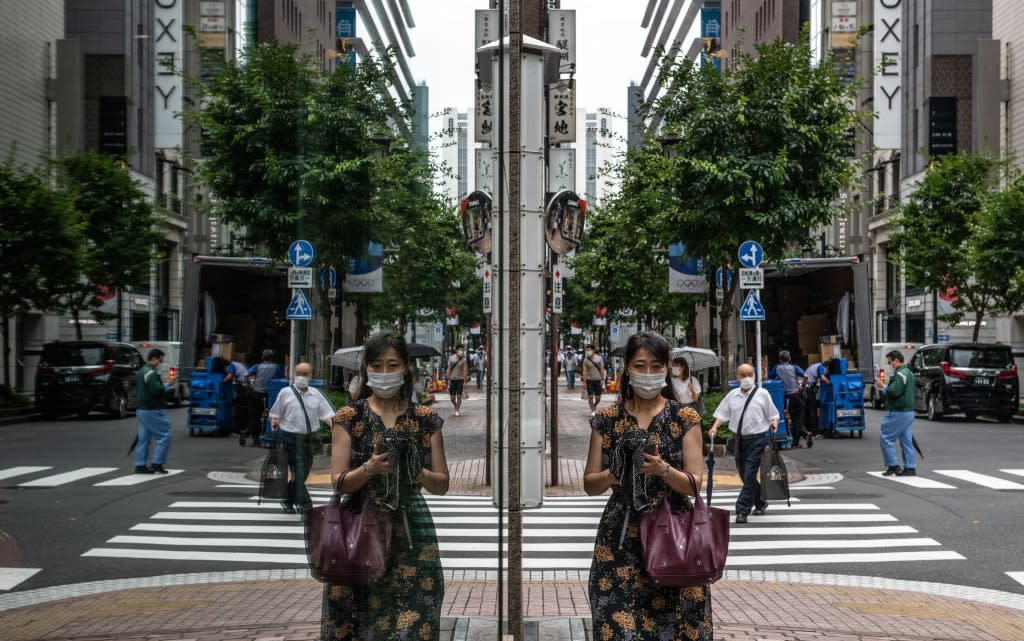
(589, 353)
(385, 385)
(302, 382)
(646, 386)
(747, 382)
(677, 371)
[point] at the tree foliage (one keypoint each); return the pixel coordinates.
(758, 151)
(959, 232)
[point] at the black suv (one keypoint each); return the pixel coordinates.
(968, 378)
(81, 376)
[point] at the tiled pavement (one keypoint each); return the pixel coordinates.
(748, 606)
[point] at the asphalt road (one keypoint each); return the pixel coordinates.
(50, 528)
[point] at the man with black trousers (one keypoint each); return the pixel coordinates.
(792, 377)
(262, 373)
(751, 414)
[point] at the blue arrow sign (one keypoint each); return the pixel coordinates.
(328, 278)
(752, 309)
(751, 254)
(718, 278)
(299, 308)
(301, 253)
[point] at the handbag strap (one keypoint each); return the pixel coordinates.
(305, 414)
(700, 514)
(739, 428)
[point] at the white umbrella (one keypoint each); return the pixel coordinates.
(348, 357)
(698, 358)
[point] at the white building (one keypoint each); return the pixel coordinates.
(452, 148)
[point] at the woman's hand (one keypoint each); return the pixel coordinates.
(653, 465)
(378, 463)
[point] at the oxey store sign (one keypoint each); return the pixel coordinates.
(168, 16)
(888, 65)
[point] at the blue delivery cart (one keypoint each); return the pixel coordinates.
(273, 389)
(210, 402)
(774, 388)
(842, 402)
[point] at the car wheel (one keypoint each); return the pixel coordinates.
(971, 416)
(932, 403)
(119, 404)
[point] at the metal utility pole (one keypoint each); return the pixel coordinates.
(554, 375)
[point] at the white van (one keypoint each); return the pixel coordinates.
(878, 352)
(177, 391)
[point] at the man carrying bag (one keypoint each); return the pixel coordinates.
(293, 415)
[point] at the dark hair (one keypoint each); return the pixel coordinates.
(656, 344)
(683, 362)
(155, 353)
(590, 346)
(784, 356)
(374, 347)
(459, 346)
(895, 355)
(267, 355)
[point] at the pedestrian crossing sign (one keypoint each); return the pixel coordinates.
(752, 309)
(299, 308)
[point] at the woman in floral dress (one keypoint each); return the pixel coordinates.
(391, 449)
(638, 449)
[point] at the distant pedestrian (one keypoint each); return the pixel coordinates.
(240, 399)
(686, 387)
(481, 367)
(750, 413)
(594, 375)
(792, 377)
(297, 413)
(898, 422)
(640, 449)
(262, 373)
(458, 371)
(153, 422)
(570, 368)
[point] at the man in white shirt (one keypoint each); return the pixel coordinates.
(295, 417)
(751, 414)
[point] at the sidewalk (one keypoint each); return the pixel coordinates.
(284, 605)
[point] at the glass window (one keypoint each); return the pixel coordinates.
(71, 355)
(994, 358)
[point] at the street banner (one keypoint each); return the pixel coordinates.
(562, 112)
(485, 114)
(685, 273)
(485, 163)
(711, 36)
(487, 284)
(562, 33)
(556, 290)
(345, 34)
(562, 169)
(365, 275)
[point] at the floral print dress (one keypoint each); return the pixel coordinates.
(626, 605)
(404, 604)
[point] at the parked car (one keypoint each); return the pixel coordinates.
(966, 378)
(177, 391)
(82, 376)
(878, 352)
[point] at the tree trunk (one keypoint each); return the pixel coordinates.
(725, 314)
(76, 316)
(978, 315)
(6, 321)
(326, 336)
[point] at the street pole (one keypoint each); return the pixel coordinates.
(554, 375)
(757, 342)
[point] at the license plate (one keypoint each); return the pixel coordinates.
(844, 413)
(981, 380)
(70, 378)
(204, 411)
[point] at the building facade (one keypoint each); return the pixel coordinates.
(453, 150)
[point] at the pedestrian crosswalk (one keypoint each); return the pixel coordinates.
(924, 479)
(559, 536)
(78, 475)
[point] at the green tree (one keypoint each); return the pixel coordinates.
(39, 246)
(758, 151)
(120, 233)
(960, 232)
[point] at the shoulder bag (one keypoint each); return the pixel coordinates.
(773, 476)
(346, 544)
(685, 549)
(274, 473)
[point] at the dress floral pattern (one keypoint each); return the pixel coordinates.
(405, 604)
(626, 605)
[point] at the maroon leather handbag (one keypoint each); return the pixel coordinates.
(346, 546)
(685, 549)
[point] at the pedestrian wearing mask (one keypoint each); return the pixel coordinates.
(390, 449)
(594, 375)
(153, 422)
(457, 372)
(792, 377)
(639, 449)
(262, 373)
(295, 417)
(687, 388)
(898, 422)
(751, 414)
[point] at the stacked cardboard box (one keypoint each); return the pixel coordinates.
(809, 328)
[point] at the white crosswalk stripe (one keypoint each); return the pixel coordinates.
(10, 578)
(1016, 576)
(558, 536)
(76, 475)
(922, 479)
(983, 480)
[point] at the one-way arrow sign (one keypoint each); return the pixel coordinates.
(299, 308)
(752, 309)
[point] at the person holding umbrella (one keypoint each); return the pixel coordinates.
(897, 424)
(639, 448)
(686, 387)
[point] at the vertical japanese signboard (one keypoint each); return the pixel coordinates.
(487, 290)
(485, 170)
(485, 114)
(345, 35)
(888, 54)
(561, 169)
(711, 36)
(941, 125)
(844, 24)
(562, 33)
(562, 112)
(486, 27)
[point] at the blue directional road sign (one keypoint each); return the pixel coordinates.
(752, 309)
(718, 278)
(751, 254)
(301, 253)
(328, 278)
(299, 308)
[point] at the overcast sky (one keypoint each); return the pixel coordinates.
(609, 40)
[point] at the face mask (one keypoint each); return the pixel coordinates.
(459, 353)
(589, 353)
(385, 385)
(646, 385)
(677, 371)
(302, 382)
(747, 382)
